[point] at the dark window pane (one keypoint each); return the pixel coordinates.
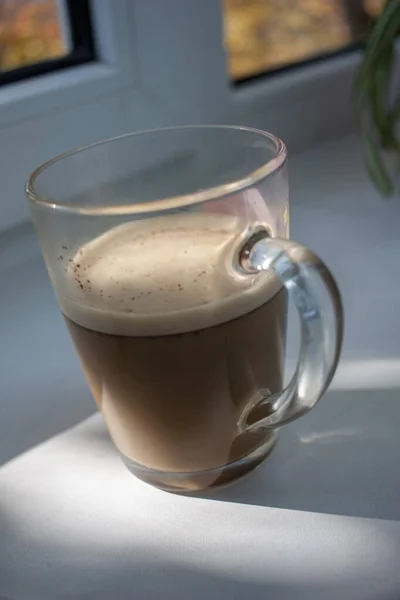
(263, 35)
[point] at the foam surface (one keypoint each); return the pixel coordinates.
(163, 275)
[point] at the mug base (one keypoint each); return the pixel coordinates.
(196, 481)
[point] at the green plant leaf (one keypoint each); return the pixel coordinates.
(372, 95)
(380, 39)
(375, 167)
(378, 93)
(394, 113)
(379, 102)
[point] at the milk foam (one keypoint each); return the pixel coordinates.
(163, 275)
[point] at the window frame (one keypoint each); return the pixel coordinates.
(112, 70)
(160, 64)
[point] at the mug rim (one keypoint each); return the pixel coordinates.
(167, 203)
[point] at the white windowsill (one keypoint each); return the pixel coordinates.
(264, 535)
(39, 96)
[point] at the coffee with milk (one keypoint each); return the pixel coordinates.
(176, 343)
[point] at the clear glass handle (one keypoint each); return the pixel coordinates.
(314, 292)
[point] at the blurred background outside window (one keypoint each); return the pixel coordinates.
(264, 35)
(40, 35)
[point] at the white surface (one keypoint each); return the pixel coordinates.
(75, 524)
(154, 70)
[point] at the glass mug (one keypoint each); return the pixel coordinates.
(168, 251)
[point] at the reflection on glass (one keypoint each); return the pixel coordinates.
(261, 35)
(31, 31)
